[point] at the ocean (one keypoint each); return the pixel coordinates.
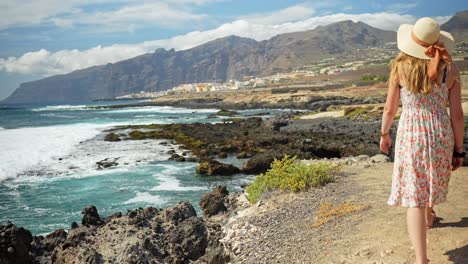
(48, 156)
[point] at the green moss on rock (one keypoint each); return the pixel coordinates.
(112, 137)
(137, 135)
(225, 112)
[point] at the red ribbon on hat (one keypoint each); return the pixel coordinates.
(436, 52)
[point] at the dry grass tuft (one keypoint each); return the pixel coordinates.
(327, 212)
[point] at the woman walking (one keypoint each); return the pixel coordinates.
(429, 141)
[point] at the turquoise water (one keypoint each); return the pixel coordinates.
(48, 172)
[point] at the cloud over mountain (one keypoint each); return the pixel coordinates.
(258, 27)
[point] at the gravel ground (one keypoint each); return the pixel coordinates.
(278, 228)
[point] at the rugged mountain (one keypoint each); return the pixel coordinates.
(458, 26)
(218, 60)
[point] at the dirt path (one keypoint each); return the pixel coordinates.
(384, 228)
(280, 231)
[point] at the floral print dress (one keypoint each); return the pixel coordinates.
(423, 149)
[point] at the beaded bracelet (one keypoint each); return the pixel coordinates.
(384, 134)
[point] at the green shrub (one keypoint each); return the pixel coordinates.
(359, 111)
(286, 174)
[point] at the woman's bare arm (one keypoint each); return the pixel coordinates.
(456, 110)
(391, 106)
(389, 112)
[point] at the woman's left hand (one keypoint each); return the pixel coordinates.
(456, 163)
(385, 143)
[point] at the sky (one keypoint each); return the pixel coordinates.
(40, 38)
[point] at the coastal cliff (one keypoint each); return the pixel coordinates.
(218, 60)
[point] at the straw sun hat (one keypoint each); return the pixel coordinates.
(426, 41)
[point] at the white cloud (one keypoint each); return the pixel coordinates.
(128, 13)
(133, 16)
(46, 63)
(289, 14)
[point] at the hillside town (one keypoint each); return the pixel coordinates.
(301, 76)
(296, 76)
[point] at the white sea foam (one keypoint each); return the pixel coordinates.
(57, 115)
(60, 108)
(56, 173)
(35, 151)
(14, 193)
(50, 227)
(150, 109)
(24, 148)
(162, 109)
(2, 128)
(145, 197)
(168, 181)
(42, 211)
(81, 162)
(147, 116)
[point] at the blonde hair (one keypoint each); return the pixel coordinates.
(414, 72)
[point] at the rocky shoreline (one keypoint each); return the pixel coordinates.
(144, 235)
(260, 140)
(177, 234)
(147, 235)
(312, 103)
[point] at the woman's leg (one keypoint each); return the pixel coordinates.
(417, 231)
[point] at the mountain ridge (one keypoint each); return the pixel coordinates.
(221, 59)
(457, 26)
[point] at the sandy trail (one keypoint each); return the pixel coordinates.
(283, 233)
(382, 229)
